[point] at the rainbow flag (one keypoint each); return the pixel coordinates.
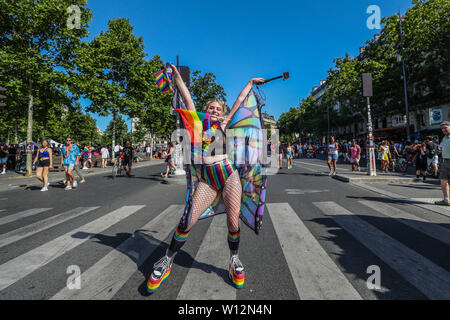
(163, 81)
(195, 123)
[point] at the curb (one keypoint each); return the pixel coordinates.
(385, 180)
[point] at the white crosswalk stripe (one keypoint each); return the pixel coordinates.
(29, 230)
(19, 267)
(214, 251)
(316, 276)
(104, 279)
(429, 278)
(432, 230)
(22, 214)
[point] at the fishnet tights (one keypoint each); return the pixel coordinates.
(205, 194)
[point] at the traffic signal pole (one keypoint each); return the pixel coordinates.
(366, 79)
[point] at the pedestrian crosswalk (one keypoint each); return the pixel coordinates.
(314, 271)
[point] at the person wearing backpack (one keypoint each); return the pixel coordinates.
(432, 155)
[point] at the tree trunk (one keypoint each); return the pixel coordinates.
(114, 131)
(30, 130)
(15, 132)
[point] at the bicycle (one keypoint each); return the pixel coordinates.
(117, 168)
(401, 165)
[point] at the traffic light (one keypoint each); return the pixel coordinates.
(365, 85)
(2, 97)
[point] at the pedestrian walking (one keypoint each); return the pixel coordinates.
(421, 160)
(280, 155)
(170, 160)
(105, 155)
(44, 158)
(432, 155)
(393, 154)
(445, 166)
(70, 156)
(4, 153)
(383, 154)
(127, 159)
(355, 155)
(289, 155)
(87, 157)
(333, 154)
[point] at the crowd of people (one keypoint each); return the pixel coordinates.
(422, 154)
(73, 158)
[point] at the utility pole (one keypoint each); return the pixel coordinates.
(366, 84)
(405, 85)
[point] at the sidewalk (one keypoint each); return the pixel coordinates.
(12, 180)
(363, 177)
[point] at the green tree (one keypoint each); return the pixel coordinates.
(36, 50)
(108, 71)
(121, 131)
(204, 88)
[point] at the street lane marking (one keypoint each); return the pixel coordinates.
(300, 191)
(21, 215)
(214, 253)
(28, 230)
(432, 230)
(315, 274)
(442, 210)
(429, 278)
(429, 204)
(21, 266)
(105, 278)
(321, 165)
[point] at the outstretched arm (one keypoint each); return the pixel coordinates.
(183, 89)
(240, 99)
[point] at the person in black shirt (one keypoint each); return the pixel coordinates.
(421, 160)
(432, 155)
(127, 158)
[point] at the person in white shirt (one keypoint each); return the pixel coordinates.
(105, 156)
(117, 150)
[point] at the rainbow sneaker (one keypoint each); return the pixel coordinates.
(161, 271)
(236, 272)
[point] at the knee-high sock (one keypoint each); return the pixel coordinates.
(178, 240)
(233, 241)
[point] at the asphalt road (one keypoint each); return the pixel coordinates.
(321, 239)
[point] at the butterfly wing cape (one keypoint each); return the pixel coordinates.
(245, 149)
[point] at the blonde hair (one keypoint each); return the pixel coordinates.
(221, 103)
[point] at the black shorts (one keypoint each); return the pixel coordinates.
(126, 161)
(445, 170)
(421, 164)
(44, 163)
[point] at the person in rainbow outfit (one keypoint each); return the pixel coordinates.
(216, 177)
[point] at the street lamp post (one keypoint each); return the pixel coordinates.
(366, 79)
(408, 133)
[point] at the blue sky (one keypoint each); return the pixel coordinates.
(238, 40)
